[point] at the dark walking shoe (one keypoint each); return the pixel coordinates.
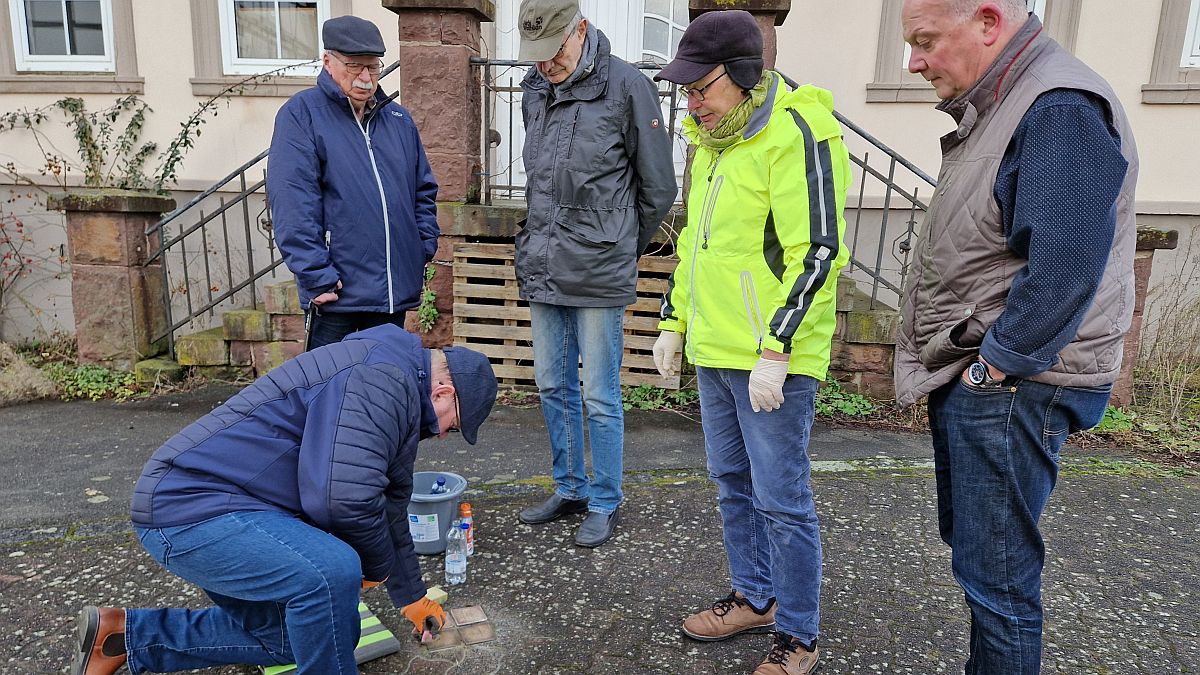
(101, 646)
(552, 509)
(789, 656)
(727, 617)
(597, 528)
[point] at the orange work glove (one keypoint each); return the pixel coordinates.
(372, 584)
(426, 616)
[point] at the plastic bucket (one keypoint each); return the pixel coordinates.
(430, 515)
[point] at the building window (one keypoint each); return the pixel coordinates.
(1191, 45)
(265, 35)
(63, 35)
(1175, 71)
(663, 23)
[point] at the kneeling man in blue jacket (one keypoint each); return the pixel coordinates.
(284, 502)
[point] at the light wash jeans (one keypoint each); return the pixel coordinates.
(760, 464)
(996, 452)
(561, 335)
(285, 592)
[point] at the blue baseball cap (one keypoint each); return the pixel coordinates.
(474, 385)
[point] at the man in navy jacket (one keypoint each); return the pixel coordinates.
(285, 501)
(351, 192)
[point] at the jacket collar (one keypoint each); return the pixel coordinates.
(758, 119)
(997, 80)
(331, 89)
(762, 114)
(588, 87)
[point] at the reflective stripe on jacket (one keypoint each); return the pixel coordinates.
(760, 255)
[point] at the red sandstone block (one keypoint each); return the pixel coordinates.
(287, 327)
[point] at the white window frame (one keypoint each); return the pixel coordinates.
(672, 25)
(27, 62)
(232, 64)
(1191, 44)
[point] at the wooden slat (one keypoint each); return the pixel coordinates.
(475, 330)
(481, 291)
(498, 351)
(468, 250)
(464, 270)
(465, 311)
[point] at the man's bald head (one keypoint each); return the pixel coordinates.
(954, 41)
(1014, 10)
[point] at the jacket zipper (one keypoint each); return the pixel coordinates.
(710, 204)
(387, 228)
(753, 312)
(710, 200)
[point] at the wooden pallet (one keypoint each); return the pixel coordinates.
(490, 317)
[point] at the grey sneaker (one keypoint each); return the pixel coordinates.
(597, 528)
(552, 509)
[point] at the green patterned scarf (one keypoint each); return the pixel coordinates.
(731, 126)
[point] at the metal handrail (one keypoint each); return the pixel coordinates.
(879, 277)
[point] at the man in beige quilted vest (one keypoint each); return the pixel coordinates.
(1019, 297)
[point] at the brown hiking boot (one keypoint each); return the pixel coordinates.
(728, 617)
(789, 657)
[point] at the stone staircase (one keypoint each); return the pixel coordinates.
(249, 342)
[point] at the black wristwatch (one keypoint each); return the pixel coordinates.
(978, 375)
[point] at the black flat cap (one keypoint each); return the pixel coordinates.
(352, 35)
(729, 37)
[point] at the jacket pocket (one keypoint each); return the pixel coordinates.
(953, 343)
(591, 252)
(758, 327)
(599, 228)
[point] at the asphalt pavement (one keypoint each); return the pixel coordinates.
(1120, 588)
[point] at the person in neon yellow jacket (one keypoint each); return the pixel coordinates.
(752, 305)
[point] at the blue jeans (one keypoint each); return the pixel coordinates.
(285, 592)
(760, 464)
(326, 328)
(561, 335)
(996, 453)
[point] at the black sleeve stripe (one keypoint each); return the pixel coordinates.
(823, 235)
(667, 310)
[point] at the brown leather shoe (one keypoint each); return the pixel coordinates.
(789, 657)
(727, 617)
(96, 654)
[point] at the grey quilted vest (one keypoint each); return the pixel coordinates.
(962, 267)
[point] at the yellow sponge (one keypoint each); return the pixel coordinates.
(436, 594)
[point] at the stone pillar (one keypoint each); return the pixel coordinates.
(117, 297)
(441, 88)
(768, 14)
(1149, 240)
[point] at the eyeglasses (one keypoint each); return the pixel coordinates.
(457, 415)
(563, 46)
(355, 68)
(688, 92)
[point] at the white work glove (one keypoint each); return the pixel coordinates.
(666, 347)
(766, 384)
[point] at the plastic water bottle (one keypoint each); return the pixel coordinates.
(439, 486)
(464, 510)
(456, 553)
